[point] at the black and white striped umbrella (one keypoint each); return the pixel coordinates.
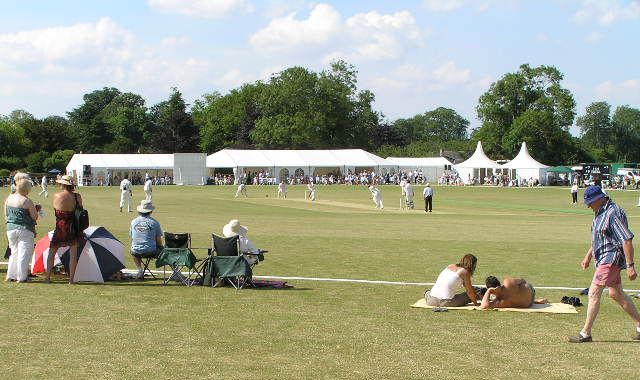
(100, 257)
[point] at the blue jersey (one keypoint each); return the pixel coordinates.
(144, 231)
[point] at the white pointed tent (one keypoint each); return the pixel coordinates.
(523, 166)
(477, 166)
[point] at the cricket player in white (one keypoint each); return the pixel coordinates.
(126, 193)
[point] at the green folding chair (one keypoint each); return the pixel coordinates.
(226, 264)
(178, 259)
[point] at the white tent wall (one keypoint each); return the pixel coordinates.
(92, 169)
(310, 162)
(525, 174)
(189, 168)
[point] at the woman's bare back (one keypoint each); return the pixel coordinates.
(66, 201)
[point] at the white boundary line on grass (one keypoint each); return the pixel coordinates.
(357, 281)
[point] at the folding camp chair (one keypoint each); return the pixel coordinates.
(145, 259)
(178, 255)
(177, 240)
(178, 259)
(226, 263)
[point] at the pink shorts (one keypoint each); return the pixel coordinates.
(607, 275)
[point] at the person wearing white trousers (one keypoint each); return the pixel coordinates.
(242, 190)
(21, 215)
(148, 191)
(312, 189)
(125, 193)
(282, 189)
(376, 194)
(44, 186)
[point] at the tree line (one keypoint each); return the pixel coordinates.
(301, 109)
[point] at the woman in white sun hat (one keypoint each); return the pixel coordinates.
(247, 248)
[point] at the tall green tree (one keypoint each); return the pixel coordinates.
(508, 99)
(595, 126)
(172, 128)
(14, 143)
(127, 121)
(49, 134)
(625, 124)
(440, 124)
(227, 121)
(302, 109)
(88, 124)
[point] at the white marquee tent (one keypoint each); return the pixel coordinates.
(96, 168)
(477, 166)
(282, 163)
(523, 166)
(431, 167)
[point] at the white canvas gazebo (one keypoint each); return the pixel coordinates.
(431, 167)
(525, 167)
(286, 163)
(477, 166)
(90, 168)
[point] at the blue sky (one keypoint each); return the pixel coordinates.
(414, 55)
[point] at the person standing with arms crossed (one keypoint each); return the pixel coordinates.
(427, 193)
(612, 250)
(126, 193)
(574, 193)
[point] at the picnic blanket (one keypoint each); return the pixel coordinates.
(555, 308)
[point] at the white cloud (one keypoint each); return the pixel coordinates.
(449, 74)
(443, 5)
(417, 78)
(593, 37)
(209, 9)
(454, 5)
(621, 92)
(174, 41)
(75, 45)
(233, 78)
(64, 62)
(364, 36)
(287, 32)
(606, 12)
(383, 36)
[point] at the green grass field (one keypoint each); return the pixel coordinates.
(328, 330)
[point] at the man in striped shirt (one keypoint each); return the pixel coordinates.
(612, 250)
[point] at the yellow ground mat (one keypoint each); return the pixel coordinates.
(555, 308)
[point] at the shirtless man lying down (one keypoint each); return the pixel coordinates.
(514, 292)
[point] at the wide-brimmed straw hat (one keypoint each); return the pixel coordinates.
(145, 207)
(66, 180)
(233, 228)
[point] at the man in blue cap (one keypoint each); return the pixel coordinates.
(612, 251)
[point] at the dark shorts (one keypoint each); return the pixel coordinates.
(607, 275)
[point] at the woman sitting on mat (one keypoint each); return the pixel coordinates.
(452, 278)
